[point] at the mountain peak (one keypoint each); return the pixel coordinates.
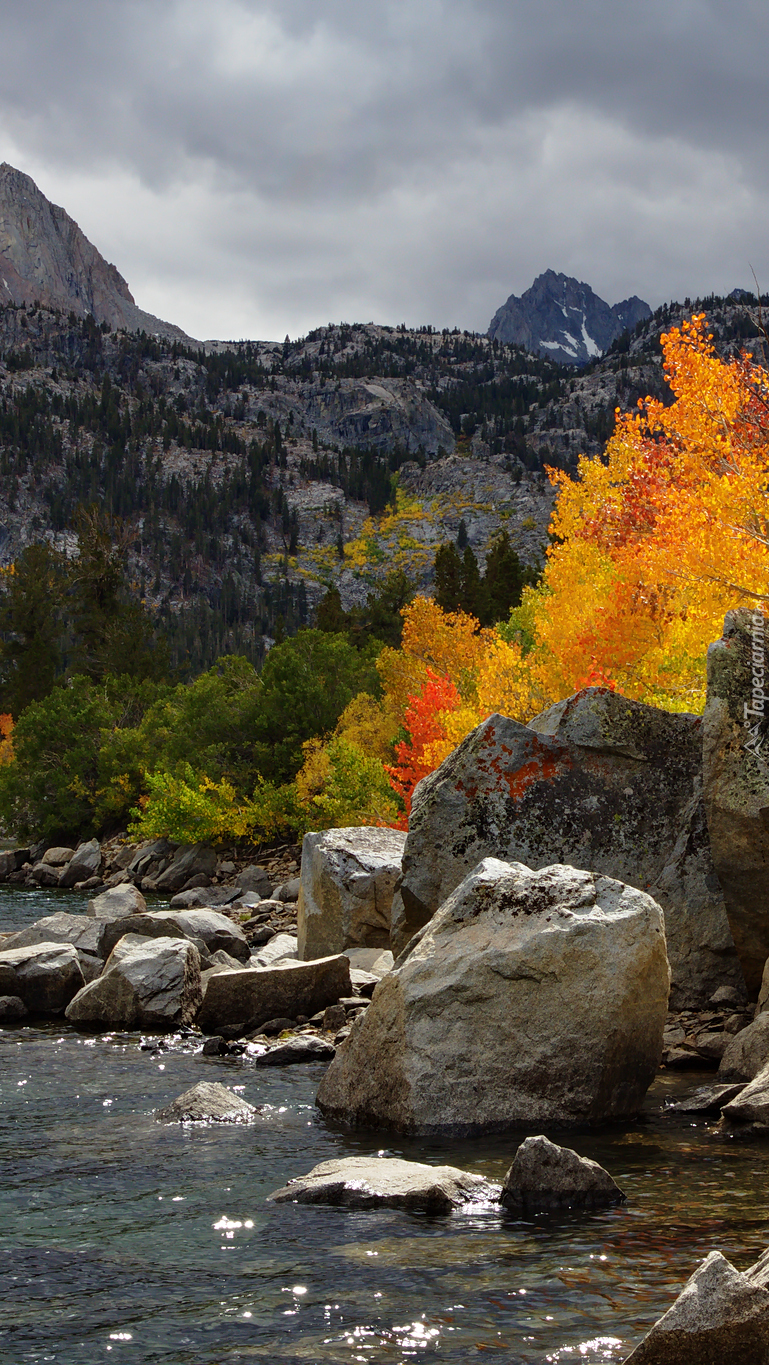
(562, 318)
(45, 258)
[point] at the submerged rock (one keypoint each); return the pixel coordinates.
(369, 1182)
(544, 1175)
(207, 1102)
(346, 891)
(531, 997)
(598, 782)
(708, 1099)
(721, 1317)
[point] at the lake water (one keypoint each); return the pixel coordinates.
(122, 1240)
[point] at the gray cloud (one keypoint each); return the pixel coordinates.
(256, 168)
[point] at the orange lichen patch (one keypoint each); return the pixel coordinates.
(536, 770)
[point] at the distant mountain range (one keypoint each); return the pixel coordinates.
(562, 318)
(45, 258)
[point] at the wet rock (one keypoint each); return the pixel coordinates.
(748, 1052)
(474, 1030)
(708, 1099)
(256, 996)
(346, 889)
(208, 1102)
(365, 1182)
(117, 902)
(188, 861)
(45, 976)
(146, 983)
(544, 1175)
(12, 1009)
(598, 782)
(736, 784)
(302, 1048)
(84, 864)
(721, 1317)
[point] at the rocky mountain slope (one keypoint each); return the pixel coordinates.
(563, 319)
(255, 475)
(44, 257)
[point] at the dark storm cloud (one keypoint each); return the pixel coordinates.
(418, 158)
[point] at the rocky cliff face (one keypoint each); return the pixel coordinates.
(562, 318)
(44, 257)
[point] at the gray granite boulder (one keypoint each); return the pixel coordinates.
(256, 879)
(251, 998)
(747, 1052)
(721, 1317)
(370, 1182)
(599, 782)
(207, 1102)
(736, 782)
(189, 860)
(146, 983)
(546, 1176)
(117, 902)
(346, 889)
(45, 976)
(82, 931)
(529, 998)
(302, 1048)
(206, 926)
(84, 863)
(751, 1105)
(57, 857)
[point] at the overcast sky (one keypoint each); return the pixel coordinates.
(256, 168)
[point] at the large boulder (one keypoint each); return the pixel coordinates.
(214, 930)
(189, 860)
(45, 976)
(208, 1102)
(599, 782)
(530, 998)
(117, 902)
(82, 931)
(375, 1182)
(146, 983)
(721, 1317)
(251, 998)
(751, 1104)
(747, 1052)
(736, 782)
(346, 889)
(57, 857)
(544, 1175)
(84, 863)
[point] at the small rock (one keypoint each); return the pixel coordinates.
(208, 1102)
(364, 1182)
(254, 878)
(289, 892)
(708, 1099)
(306, 1048)
(276, 1026)
(12, 1009)
(727, 996)
(258, 937)
(544, 1175)
(334, 1018)
(682, 1058)
(214, 1047)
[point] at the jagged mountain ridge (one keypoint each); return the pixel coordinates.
(45, 257)
(564, 319)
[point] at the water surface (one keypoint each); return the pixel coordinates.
(125, 1240)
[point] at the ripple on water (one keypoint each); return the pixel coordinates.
(126, 1239)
